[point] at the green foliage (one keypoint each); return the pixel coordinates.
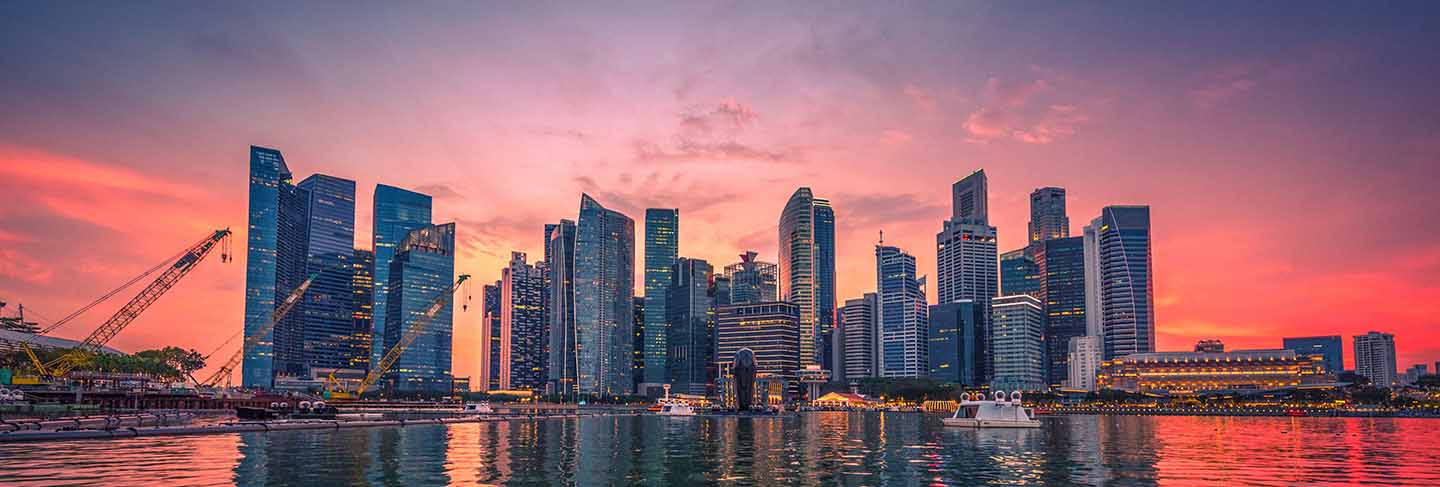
(172, 363)
(917, 389)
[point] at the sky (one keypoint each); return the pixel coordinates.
(1288, 151)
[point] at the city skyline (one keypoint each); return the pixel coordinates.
(1207, 179)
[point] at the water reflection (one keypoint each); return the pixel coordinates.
(829, 448)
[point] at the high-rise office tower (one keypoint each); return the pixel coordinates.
(1375, 358)
(422, 269)
(957, 343)
(807, 270)
(752, 281)
(720, 290)
(397, 212)
(522, 325)
(862, 337)
(604, 299)
(362, 311)
(1083, 361)
(1090, 240)
(902, 314)
(1018, 331)
(1047, 215)
(692, 326)
(1018, 273)
(637, 363)
(1331, 347)
(1062, 294)
(560, 263)
(274, 266)
(1127, 286)
(327, 322)
(966, 257)
(662, 247)
(770, 329)
(490, 348)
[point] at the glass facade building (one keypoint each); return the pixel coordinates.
(1047, 215)
(1018, 340)
(1061, 262)
(752, 281)
(662, 247)
(490, 354)
(397, 212)
(691, 316)
(604, 293)
(901, 312)
(326, 313)
(807, 269)
(422, 269)
(522, 326)
(1332, 348)
(275, 266)
(1018, 273)
(362, 307)
(1126, 287)
(957, 344)
(770, 330)
(560, 308)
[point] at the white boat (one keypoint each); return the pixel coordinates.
(976, 411)
(478, 408)
(674, 407)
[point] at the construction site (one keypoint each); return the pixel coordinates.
(50, 384)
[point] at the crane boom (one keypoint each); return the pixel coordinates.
(127, 314)
(406, 339)
(254, 340)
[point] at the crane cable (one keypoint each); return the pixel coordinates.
(110, 294)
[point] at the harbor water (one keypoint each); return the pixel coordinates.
(813, 448)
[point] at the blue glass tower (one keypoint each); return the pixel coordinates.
(1062, 293)
(1331, 347)
(423, 267)
(604, 299)
(1127, 287)
(1018, 273)
(662, 246)
(902, 314)
(692, 324)
(397, 212)
(274, 265)
(957, 343)
(561, 368)
(326, 313)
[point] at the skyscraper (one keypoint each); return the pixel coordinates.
(862, 337)
(692, 326)
(491, 356)
(770, 329)
(1127, 286)
(902, 314)
(604, 306)
(560, 257)
(1018, 331)
(362, 302)
(274, 266)
(662, 247)
(327, 321)
(1375, 358)
(1018, 273)
(397, 212)
(1083, 361)
(637, 361)
(807, 269)
(957, 343)
(522, 325)
(1047, 215)
(1062, 295)
(752, 281)
(1331, 347)
(966, 260)
(422, 269)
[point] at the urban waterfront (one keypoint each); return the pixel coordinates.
(817, 448)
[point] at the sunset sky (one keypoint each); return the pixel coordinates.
(1290, 153)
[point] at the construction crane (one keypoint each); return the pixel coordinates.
(254, 340)
(416, 329)
(80, 354)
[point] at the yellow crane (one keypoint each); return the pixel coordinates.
(81, 354)
(223, 373)
(416, 329)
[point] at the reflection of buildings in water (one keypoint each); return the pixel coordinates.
(604, 450)
(407, 456)
(1128, 446)
(1071, 451)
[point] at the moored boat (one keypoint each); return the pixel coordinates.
(976, 411)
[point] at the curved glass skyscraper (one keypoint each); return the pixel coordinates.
(807, 271)
(604, 299)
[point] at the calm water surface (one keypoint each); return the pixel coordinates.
(830, 448)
